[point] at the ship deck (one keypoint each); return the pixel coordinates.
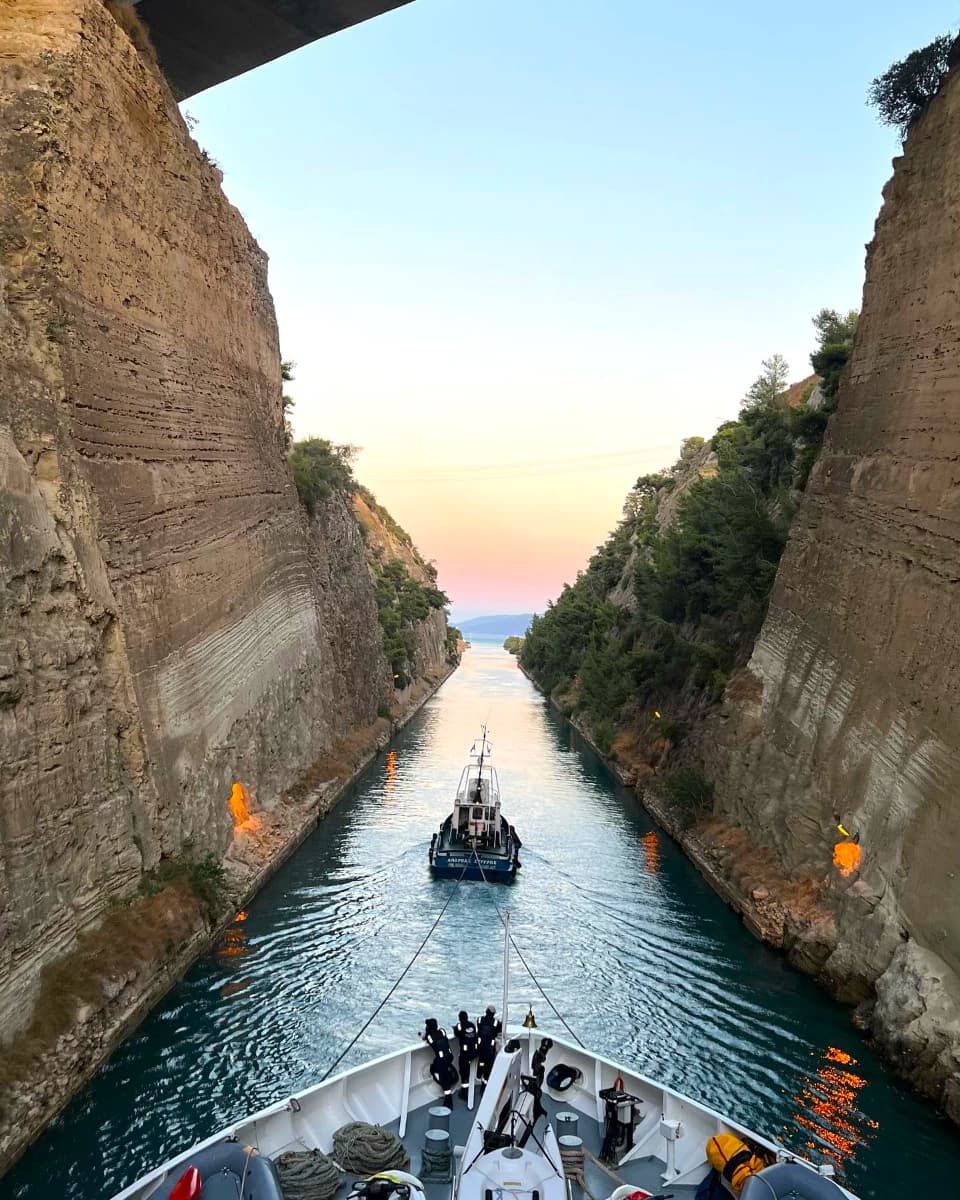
(644, 1173)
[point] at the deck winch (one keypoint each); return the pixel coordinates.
(621, 1115)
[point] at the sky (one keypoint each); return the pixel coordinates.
(520, 249)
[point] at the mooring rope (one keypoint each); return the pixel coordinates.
(400, 978)
(363, 1149)
(307, 1175)
(574, 1166)
(527, 966)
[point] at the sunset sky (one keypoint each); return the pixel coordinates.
(519, 250)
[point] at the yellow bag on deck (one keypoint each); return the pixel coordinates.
(734, 1160)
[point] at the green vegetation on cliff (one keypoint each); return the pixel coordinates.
(513, 645)
(901, 94)
(672, 602)
(402, 602)
(321, 469)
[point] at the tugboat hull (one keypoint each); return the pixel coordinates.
(464, 864)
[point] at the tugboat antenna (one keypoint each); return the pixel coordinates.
(483, 744)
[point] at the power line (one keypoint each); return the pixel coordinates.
(520, 469)
(546, 462)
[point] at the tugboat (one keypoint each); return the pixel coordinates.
(476, 841)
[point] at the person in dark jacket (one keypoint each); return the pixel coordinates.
(465, 1031)
(442, 1070)
(488, 1029)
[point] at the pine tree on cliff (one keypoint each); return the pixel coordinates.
(770, 386)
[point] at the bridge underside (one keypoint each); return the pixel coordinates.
(203, 42)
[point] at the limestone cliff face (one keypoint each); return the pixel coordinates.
(386, 541)
(170, 621)
(852, 715)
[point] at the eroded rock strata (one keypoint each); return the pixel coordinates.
(852, 718)
(822, 792)
(171, 621)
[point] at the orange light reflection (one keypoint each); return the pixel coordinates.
(239, 807)
(235, 986)
(651, 852)
(234, 943)
(827, 1108)
(391, 773)
(846, 857)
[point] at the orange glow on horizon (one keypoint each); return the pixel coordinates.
(239, 808)
(507, 544)
(846, 857)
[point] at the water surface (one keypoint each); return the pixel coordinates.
(645, 963)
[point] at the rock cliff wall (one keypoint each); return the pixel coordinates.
(850, 712)
(170, 621)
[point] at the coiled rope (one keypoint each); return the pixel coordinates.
(435, 1164)
(362, 1149)
(574, 1166)
(307, 1175)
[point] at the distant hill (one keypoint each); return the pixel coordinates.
(504, 626)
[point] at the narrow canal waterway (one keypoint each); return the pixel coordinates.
(643, 960)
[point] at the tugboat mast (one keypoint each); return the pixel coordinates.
(483, 751)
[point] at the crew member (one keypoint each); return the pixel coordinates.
(488, 1029)
(465, 1031)
(442, 1070)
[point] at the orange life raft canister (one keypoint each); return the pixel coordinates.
(735, 1161)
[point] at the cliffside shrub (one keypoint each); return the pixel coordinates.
(835, 335)
(320, 469)
(688, 791)
(205, 877)
(286, 376)
(672, 730)
(513, 644)
(603, 733)
(901, 94)
(126, 17)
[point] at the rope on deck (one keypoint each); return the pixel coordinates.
(307, 1175)
(572, 1158)
(364, 1149)
(604, 1168)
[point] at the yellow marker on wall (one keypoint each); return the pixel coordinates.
(843, 831)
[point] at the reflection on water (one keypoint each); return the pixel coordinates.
(828, 1109)
(391, 774)
(650, 845)
(640, 956)
(233, 945)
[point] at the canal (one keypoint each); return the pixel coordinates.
(642, 959)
